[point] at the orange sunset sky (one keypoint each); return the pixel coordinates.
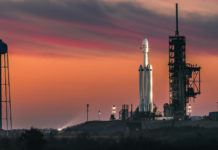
(65, 54)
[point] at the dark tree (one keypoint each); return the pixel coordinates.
(32, 140)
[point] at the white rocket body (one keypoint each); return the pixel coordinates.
(145, 82)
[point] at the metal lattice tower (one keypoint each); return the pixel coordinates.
(184, 79)
(5, 97)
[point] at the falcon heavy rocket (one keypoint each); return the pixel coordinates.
(145, 82)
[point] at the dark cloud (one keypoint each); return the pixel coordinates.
(129, 22)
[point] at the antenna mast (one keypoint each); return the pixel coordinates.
(177, 21)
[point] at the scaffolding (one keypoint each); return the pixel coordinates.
(184, 78)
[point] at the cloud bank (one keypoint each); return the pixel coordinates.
(53, 27)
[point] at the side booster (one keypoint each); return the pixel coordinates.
(145, 82)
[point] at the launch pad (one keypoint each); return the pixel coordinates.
(184, 82)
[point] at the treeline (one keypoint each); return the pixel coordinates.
(184, 138)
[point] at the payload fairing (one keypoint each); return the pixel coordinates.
(145, 82)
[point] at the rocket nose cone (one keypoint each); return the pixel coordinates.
(140, 67)
(145, 45)
(149, 67)
(144, 41)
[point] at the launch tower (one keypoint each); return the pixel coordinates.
(184, 78)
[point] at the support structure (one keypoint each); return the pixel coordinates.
(124, 112)
(87, 112)
(184, 78)
(5, 97)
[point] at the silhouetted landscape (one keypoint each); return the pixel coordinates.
(156, 139)
(108, 75)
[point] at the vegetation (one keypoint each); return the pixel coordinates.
(164, 138)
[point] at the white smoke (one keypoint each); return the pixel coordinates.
(77, 120)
